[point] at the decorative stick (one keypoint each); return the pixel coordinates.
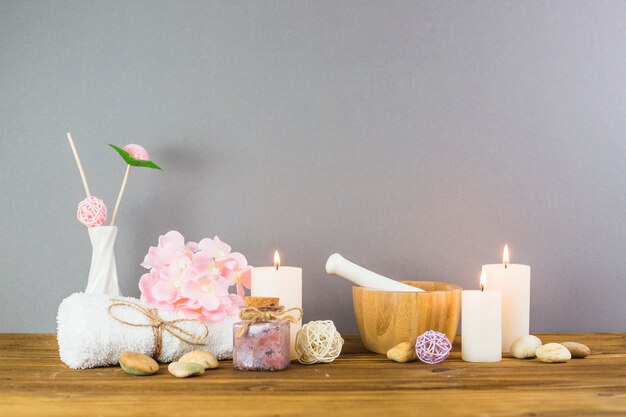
(80, 166)
(119, 196)
(136, 156)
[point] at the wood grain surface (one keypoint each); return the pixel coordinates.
(33, 382)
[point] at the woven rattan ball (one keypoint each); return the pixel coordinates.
(318, 341)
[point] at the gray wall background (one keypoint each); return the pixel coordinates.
(415, 138)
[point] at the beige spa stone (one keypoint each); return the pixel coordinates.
(525, 346)
(553, 353)
(402, 352)
(205, 359)
(578, 350)
(183, 370)
(138, 364)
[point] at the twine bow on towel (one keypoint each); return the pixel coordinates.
(255, 315)
(159, 325)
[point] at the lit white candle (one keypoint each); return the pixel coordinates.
(513, 281)
(284, 282)
(481, 325)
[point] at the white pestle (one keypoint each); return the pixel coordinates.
(340, 266)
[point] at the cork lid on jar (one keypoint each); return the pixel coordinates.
(261, 301)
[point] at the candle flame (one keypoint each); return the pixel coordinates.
(483, 280)
(505, 256)
(276, 259)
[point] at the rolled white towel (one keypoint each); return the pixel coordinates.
(89, 337)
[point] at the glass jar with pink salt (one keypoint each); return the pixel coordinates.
(261, 338)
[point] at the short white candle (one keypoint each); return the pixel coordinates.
(481, 326)
(284, 282)
(513, 281)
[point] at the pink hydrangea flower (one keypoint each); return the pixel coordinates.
(194, 278)
(243, 281)
(137, 152)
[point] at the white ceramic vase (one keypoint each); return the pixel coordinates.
(103, 272)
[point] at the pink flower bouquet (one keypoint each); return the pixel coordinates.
(194, 278)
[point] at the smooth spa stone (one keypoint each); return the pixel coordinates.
(183, 370)
(525, 346)
(578, 350)
(138, 364)
(206, 359)
(402, 352)
(553, 353)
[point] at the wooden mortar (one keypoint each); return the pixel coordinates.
(386, 318)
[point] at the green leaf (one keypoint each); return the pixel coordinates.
(132, 161)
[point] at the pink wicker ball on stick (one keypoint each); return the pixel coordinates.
(433, 347)
(137, 151)
(92, 212)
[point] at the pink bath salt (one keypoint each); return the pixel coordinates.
(263, 347)
(137, 151)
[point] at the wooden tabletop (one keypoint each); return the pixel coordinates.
(34, 382)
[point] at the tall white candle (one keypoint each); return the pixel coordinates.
(513, 281)
(284, 282)
(481, 326)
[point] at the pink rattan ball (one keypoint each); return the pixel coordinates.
(92, 212)
(432, 347)
(137, 151)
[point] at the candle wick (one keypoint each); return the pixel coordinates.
(482, 288)
(277, 267)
